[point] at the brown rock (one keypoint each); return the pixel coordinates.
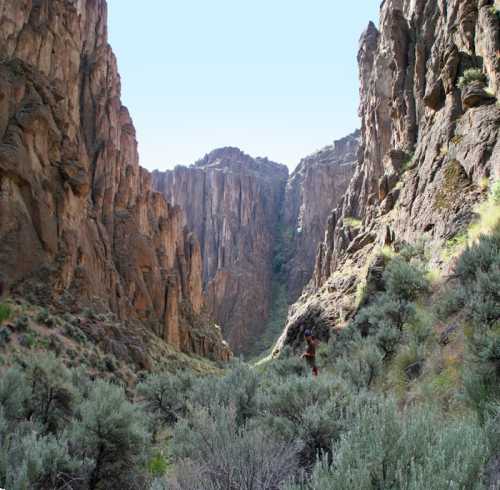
(78, 216)
(313, 190)
(232, 202)
(410, 64)
(474, 95)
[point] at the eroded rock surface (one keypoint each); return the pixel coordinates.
(232, 202)
(79, 219)
(427, 146)
(313, 190)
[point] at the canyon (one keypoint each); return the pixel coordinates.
(224, 246)
(258, 227)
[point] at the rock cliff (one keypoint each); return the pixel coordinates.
(232, 202)
(429, 145)
(257, 229)
(79, 219)
(313, 190)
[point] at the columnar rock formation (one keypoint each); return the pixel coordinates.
(428, 146)
(313, 190)
(79, 219)
(232, 202)
(253, 224)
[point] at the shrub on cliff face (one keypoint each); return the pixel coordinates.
(471, 75)
(5, 312)
(405, 281)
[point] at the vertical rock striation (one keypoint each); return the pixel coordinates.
(313, 190)
(232, 202)
(254, 224)
(79, 219)
(427, 145)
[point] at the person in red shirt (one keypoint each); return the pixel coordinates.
(310, 353)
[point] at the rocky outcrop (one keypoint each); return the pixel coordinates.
(79, 219)
(313, 190)
(427, 148)
(232, 202)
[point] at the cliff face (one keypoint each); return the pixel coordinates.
(79, 220)
(428, 146)
(232, 202)
(313, 190)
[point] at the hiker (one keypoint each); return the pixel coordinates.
(310, 354)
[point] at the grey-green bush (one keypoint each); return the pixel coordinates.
(218, 453)
(413, 450)
(110, 432)
(362, 365)
(166, 396)
(405, 281)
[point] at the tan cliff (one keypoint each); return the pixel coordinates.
(79, 219)
(428, 147)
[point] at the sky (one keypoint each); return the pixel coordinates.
(276, 78)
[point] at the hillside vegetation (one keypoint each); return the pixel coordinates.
(407, 394)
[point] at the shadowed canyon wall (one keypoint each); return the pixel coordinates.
(79, 219)
(427, 146)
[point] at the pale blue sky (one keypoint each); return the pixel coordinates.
(277, 78)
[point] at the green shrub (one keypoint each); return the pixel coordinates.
(484, 298)
(481, 256)
(5, 312)
(405, 281)
(158, 465)
(110, 433)
(75, 333)
(300, 409)
(472, 75)
(166, 396)
(361, 366)
(385, 310)
(45, 318)
(5, 335)
(495, 192)
(418, 251)
(449, 303)
(15, 393)
(386, 449)
(52, 394)
(352, 222)
(38, 463)
(21, 324)
(287, 365)
(238, 388)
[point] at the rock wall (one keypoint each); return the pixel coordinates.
(232, 202)
(427, 149)
(79, 220)
(313, 190)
